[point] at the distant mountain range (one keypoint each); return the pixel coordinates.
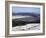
(25, 14)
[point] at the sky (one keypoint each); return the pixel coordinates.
(25, 10)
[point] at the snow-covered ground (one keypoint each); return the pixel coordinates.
(27, 27)
(16, 17)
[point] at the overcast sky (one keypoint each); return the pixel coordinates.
(25, 10)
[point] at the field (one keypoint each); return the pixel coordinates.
(22, 20)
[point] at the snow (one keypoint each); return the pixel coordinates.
(15, 17)
(27, 27)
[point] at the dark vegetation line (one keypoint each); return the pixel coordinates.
(20, 23)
